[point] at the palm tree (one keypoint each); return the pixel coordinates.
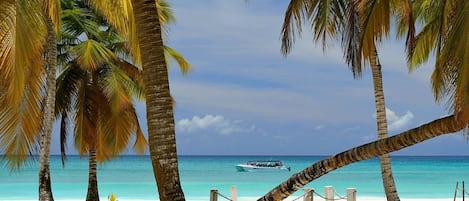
(102, 101)
(160, 115)
(442, 31)
(27, 27)
(20, 54)
(147, 31)
(95, 90)
(442, 126)
(361, 23)
(51, 9)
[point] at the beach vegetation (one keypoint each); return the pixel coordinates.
(24, 30)
(94, 91)
(160, 113)
(444, 24)
(139, 22)
(97, 86)
(27, 67)
(359, 25)
(112, 197)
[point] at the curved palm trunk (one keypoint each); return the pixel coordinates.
(160, 117)
(92, 194)
(45, 189)
(385, 160)
(408, 138)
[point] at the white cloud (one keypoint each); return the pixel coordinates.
(401, 121)
(396, 122)
(216, 123)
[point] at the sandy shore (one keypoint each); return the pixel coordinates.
(321, 199)
(359, 199)
(288, 199)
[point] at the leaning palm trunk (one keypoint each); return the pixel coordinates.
(408, 138)
(45, 189)
(160, 117)
(92, 194)
(385, 160)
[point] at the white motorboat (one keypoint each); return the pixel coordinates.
(259, 165)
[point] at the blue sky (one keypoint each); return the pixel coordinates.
(244, 98)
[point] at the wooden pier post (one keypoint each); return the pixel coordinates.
(214, 195)
(456, 191)
(308, 194)
(329, 193)
(351, 194)
(233, 194)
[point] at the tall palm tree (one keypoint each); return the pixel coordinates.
(443, 29)
(133, 71)
(147, 31)
(52, 11)
(360, 23)
(95, 90)
(27, 38)
(160, 114)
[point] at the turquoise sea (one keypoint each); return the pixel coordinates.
(131, 177)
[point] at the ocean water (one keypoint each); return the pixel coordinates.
(131, 177)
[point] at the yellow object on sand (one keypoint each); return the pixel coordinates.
(112, 197)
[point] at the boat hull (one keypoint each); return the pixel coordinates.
(251, 168)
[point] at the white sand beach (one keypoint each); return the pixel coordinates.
(358, 199)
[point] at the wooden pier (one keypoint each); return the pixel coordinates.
(308, 195)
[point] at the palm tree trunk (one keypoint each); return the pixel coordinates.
(160, 117)
(385, 160)
(92, 194)
(446, 125)
(45, 189)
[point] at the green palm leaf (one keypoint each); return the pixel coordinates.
(22, 35)
(171, 53)
(92, 54)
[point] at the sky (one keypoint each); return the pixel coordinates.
(243, 97)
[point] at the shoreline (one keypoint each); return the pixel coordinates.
(255, 198)
(291, 198)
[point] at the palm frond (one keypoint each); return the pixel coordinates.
(351, 39)
(68, 84)
(136, 89)
(171, 53)
(165, 15)
(425, 43)
(91, 54)
(20, 124)
(295, 14)
(326, 20)
(405, 22)
(118, 128)
(454, 56)
(75, 22)
(376, 17)
(84, 119)
(54, 12)
(63, 136)
(141, 144)
(22, 38)
(120, 15)
(114, 85)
